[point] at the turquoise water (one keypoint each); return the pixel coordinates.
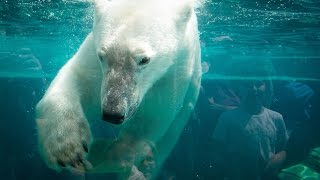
(286, 33)
(240, 39)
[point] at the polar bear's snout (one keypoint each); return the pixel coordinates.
(118, 106)
(118, 100)
(114, 109)
(114, 118)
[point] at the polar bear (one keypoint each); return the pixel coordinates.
(138, 70)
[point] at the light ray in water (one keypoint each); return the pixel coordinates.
(283, 78)
(32, 75)
(35, 75)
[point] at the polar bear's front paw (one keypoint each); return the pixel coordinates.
(66, 146)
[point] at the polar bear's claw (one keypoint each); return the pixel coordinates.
(85, 147)
(66, 147)
(60, 163)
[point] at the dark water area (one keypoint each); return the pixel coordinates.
(277, 42)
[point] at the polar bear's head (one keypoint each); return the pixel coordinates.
(137, 41)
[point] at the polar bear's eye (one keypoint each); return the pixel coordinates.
(144, 60)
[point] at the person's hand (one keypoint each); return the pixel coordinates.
(220, 107)
(205, 66)
(213, 104)
(275, 162)
(211, 100)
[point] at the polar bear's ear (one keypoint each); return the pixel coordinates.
(185, 13)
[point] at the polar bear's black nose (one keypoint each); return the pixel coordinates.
(113, 118)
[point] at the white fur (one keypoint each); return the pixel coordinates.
(165, 90)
